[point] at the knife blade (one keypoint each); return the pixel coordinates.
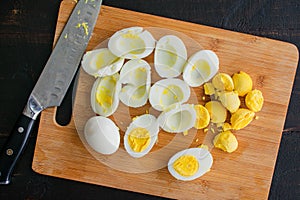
(53, 82)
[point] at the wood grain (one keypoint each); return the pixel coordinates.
(246, 173)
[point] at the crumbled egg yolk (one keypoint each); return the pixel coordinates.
(254, 100)
(202, 117)
(230, 100)
(223, 81)
(204, 146)
(139, 139)
(241, 118)
(209, 88)
(226, 127)
(242, 83)
(226, 141)
(217, 111)
(186, 165)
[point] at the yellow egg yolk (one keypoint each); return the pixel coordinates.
(104, 95)
(223, 82)
(226, 141)
(217, 111)
(139, 139)
(209, 89)
(241, 118)
(230, 100)
(202, 117)
(242, 83)
(186, 165)
(254, 100)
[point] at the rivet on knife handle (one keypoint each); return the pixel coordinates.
(54, 81)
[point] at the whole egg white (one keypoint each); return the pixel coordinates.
(177, 118)
(135, 77)
(170, 56)
(105, 95)
(131, 43)
(101, 62)
(148, 122)
(203, 156)
(102, 135)
(168, 91)
(200, 68)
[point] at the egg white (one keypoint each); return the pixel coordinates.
(203, 157)
(102, 135)
(193, 75)
(148, 122)
(160, 101)
(169, 56)
(132, 43)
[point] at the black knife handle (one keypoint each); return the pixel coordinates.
(14, 146)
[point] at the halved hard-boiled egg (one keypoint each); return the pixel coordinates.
(101, 62)
(105, 95)
(177, 118)
(136, 79)
(190, 164)
(200, 68)
(166, 92)
(102, 135)
(170, 56)
(141, 135)
(131, 43)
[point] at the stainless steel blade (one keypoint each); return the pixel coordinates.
(62, 65)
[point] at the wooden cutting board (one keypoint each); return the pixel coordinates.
(244, 174)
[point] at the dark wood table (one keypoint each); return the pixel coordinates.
(26, 36)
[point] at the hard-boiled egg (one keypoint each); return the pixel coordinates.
(190, 164)
(200, 68)
(101, 62)
(131, 43)
(177, 118)
(141, 135)
(166, 92)
(102, 135)
(105, 95)
(136, 80)
(170, 56)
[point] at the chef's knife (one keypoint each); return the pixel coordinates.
(53, 82)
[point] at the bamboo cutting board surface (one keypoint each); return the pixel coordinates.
(244, 174)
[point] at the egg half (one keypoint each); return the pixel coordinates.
(190, 164)
(135, 77)
(170, 56)
(200, 68)
(102, 135)
(177, 118)
(141, 135)
(131, 43)
(101, 62)
(166, 92)
(105, 95)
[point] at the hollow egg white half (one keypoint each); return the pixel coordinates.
(166, 92)
(202, 162)
(141, 135)
(135, 77)
(200, 68)
(177, 118)
(102, 135)
(101, 62)
(169, 56)
(105, 95)
(131, 43)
